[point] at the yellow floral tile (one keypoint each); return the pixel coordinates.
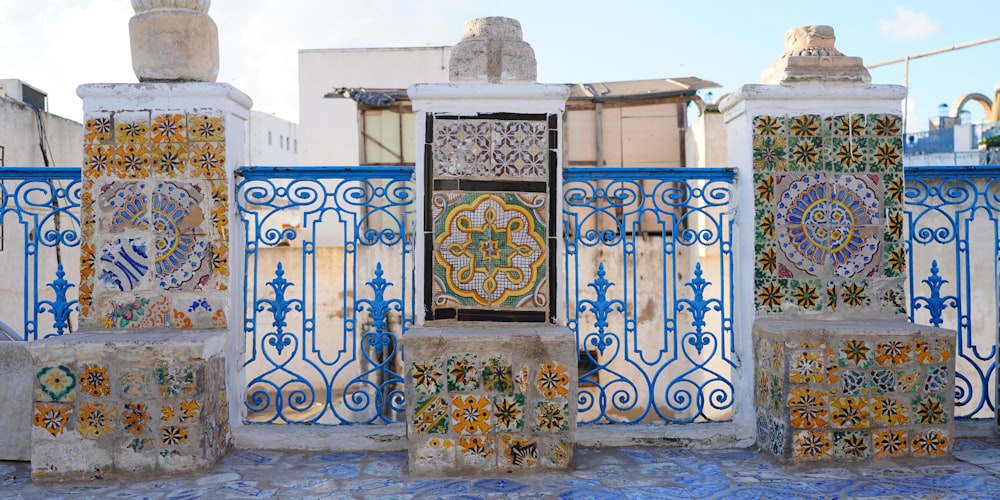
(190, 409)
(220, 220)
(929, 409)
(167, 413)
(53, 417)
(205, 128)
(98, 160)
(890, 443)
(476, 449)
(132, 128)
(849, 413)
(888, 411)
(169, 128)
(802, 395)
(806, 367)
(518, 451)
(207, 160)
(551, 417)
(894, 352)
(552, 380)
(932, 351)
(220, 261)
(169, 160)
(931, 442)
(812, 445)
(173, 435)
(131, 161)
(97, 128)
(95, 420)
(94, 380)
(471, 415)
(808, 417)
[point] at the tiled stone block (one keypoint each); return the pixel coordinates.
(853, 390)
(488, 398)
(106, 405)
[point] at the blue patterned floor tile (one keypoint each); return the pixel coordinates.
(189, 494)
(761, 492)
(640, 456)
(591, 493)
(979, 456)
(498, 486)
(349, 456)
(438, 487)
(342, 471)
(654, 493)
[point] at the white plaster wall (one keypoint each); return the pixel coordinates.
(19, 137)
(329, 127)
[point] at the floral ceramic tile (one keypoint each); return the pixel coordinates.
(476, 450)
(135, 418)
(808, 417)
(805, 126)
(95, 420)
(882, 381)
(430, 416)
(497, 375)
(124, 264)
(54, 418)
(884, 125)
(518, 451)
(932, 351)
(172, 435)
(435, 453)
(97, 128)
(812, 445)
(132, 161)
(852, 445)
(55, 383)
(131, 127)
(551, 416)
(98, 161)
(463, 372)
(890, 443)
(770, 154)
(889, 411)
(471, 415)
(806, 367)
(552, 381)
(169, 160)
(169, 127)
(508, 412)
(94, 380)
(205, 127)
(929, 409)
(932, 442)
(555, 452)
(176, 380)
(766, 125)
(892, 353)
(207, 160)
(849, 412)
(428, 376)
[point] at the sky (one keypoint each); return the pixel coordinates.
(56, 45)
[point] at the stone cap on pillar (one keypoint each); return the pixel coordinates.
(810, 56)
(492, 51)
(174, 41)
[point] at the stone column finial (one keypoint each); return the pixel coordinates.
(492, 50)
(174, 41)
(810, 55)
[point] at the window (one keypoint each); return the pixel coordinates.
(388, 135)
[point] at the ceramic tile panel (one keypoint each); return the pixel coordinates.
(854, 396)
(155, 184)
(490, 148)
(827, 205)
(491, 250)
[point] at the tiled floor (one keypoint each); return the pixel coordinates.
(597, 473)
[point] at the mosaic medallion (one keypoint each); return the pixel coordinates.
(828, 222)
(490, 249)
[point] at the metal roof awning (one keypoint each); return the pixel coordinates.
(596, 92)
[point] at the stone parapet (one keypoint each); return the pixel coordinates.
(488, 398)
(853, 390)
(112, 404)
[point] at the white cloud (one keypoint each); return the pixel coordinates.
(909, 25)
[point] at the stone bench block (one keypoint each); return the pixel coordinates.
(15, 412)
(488, 398)
(853, 390)
(111, 404)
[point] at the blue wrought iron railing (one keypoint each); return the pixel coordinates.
(952, 247)
(649, 283)
(39, 211)
(649, 293)
(323, 324)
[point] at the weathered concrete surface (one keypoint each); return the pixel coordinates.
(483, 398)
(15, 393)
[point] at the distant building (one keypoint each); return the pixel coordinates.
(952, 139)
(32, 137)
(273, 141)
